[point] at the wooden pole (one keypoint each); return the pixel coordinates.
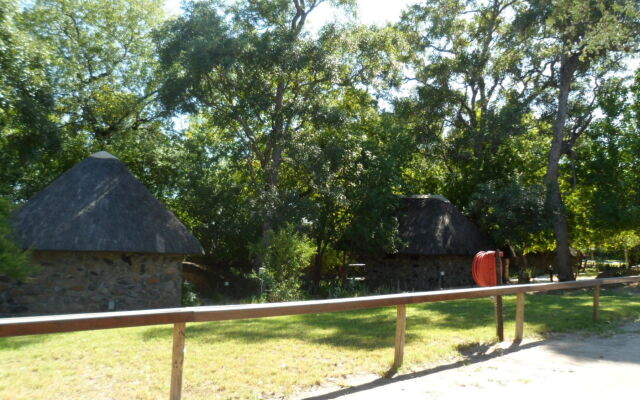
(499, 314)
(519, 317)
(596, 302)
(177, 361)
(401, 325)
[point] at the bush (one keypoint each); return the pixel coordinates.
(189, 296)
(285, 255)
(14, 262)
(336, 289)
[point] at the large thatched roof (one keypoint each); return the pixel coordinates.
(98, 205)
(431, 225)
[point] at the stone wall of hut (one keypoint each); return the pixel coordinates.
(92, 282)
(418, 273)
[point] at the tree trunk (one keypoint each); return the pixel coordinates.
(265, 239)
(272, 173)
(626, 257)
(318, 266)
(554, 196)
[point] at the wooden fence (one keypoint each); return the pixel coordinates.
(179, 317)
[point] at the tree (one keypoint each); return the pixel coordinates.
(211, 195)
(514, 215)
(246, 65)
(26, 100)
(276, 92)
(353, 177)
(474, 96)
(97, 66)
(582, 40)
(285, 257)
(604, 202)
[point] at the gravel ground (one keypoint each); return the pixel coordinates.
(571, 365)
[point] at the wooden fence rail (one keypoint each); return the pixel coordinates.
(179, 317)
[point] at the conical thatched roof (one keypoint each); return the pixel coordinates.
(98, 205)
(431, 225)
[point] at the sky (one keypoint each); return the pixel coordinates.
(370, 12)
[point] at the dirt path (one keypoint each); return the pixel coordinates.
(571, 365)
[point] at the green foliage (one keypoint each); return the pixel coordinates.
(189, 296)
(14, 261)
(514, 215)
(470, 105)
(91, 73)
(605, 195)
(285, 255)
(289, 121)
(582, 43)
(485, 107)
(245, 123)
(335, 289)
(27, 131)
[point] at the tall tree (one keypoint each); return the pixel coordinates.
(474, 95)
(27, 131)
(605, 204)
(99, 68)
(254, 72)
(583, 41)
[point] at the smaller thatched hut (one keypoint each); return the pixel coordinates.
(103, 242)
(440, 245)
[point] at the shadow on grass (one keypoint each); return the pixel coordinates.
(18, 342)
(374, 328)
(360, 329)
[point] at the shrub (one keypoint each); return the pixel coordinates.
(189, 296)
(14, 262)
(285, 254)
(335, 289)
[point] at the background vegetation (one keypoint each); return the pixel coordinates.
(524, 113)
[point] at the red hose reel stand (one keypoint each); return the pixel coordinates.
(484, 268)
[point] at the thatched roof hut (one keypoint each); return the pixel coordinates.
(431, 225)
(98, 205)
(440, 245)
(103, 243)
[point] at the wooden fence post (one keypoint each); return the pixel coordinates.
(519, 317)
(596, 302)
(177, 361)
(499, 314)
(401, 325)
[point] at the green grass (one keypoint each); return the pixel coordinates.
(277, 356)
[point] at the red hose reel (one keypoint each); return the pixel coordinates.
(484, 268)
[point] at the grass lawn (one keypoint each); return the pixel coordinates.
(271, 357)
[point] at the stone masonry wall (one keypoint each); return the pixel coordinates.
(416, 273)
(92, 282)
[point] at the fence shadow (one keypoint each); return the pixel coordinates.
(475, 354)
(18, 342)
(374, 328)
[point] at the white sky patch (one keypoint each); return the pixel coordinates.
(173, 7)
(370, 12)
